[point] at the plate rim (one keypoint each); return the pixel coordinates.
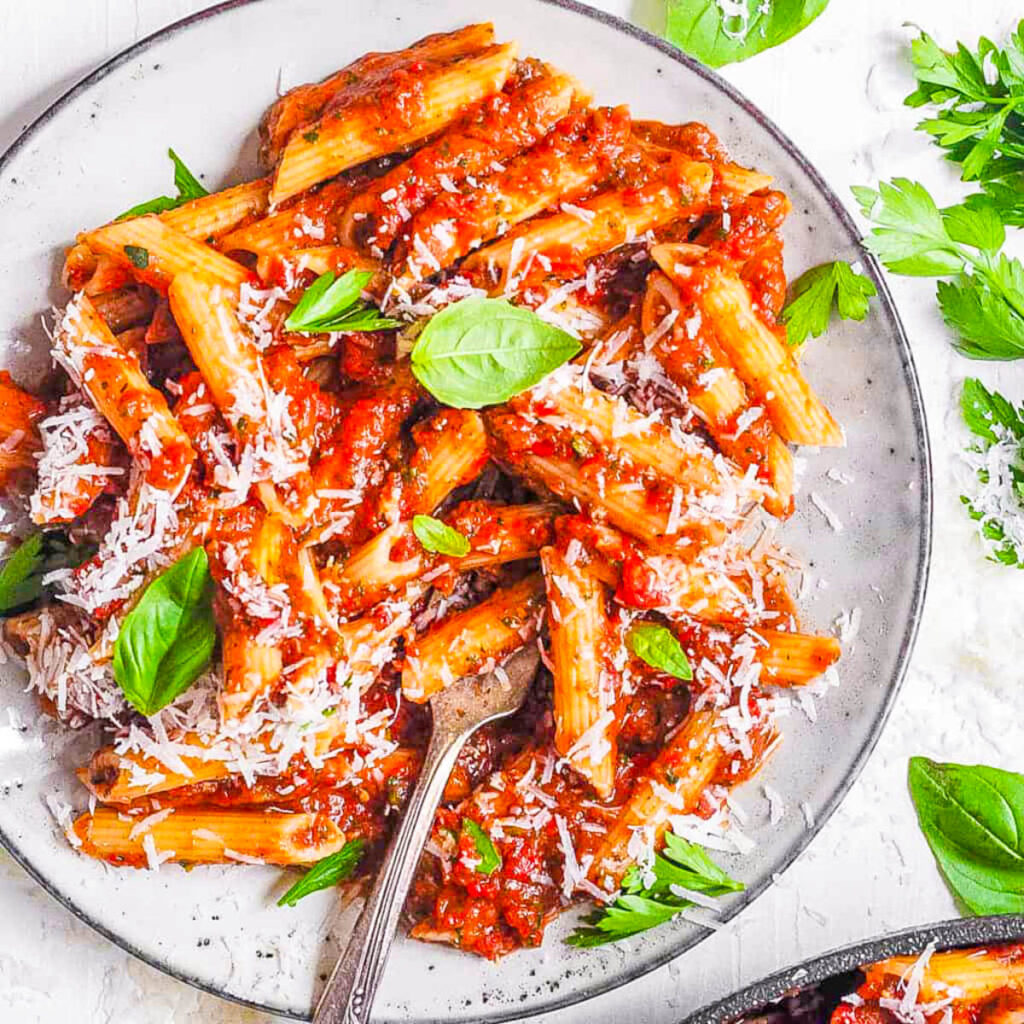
(926, 507)
(953, 933)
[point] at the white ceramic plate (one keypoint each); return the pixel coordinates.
(201, 86)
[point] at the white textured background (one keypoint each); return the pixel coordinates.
(837, 90)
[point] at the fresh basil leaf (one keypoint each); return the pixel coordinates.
(334, 303)
(137, 256)
(335, 868)
(20, 581)
(809, 310)
(21, 576)
(479, 352)
(490, 859)
(185, 182)
(166, 641)
(714, 33)
(658, 647)
(648, 898)
(439, 537)
(973, 820)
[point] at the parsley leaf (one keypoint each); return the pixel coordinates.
(333, 303)
(21, 575)
(335, 868)
(813, 293)
(980, 96)
(650, 898)
(490, 859)
(984, 301)
(185, 182)
(998, 461)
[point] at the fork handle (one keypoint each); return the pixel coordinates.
(348, 997)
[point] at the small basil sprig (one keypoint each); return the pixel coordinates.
(717, 35)
(167, 639)
(640, 906)
(21, 576)
(481, 352)
(973, 819)
(185, 182)
(658, 647)
(490, 859)
(439, 537)
(335, 868)
(334, 303)
(816, 290)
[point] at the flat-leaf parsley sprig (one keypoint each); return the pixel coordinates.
(653, 895)
(813, 294)
(980, 120)
(981, 295)
(997, 460)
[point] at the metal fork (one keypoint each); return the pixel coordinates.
(457, 712)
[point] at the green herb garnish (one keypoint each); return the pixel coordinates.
(717, 33)
(479, 352)
(814, 293)
(681, 864)
(334, 303)
(982, 298)
(21, 576)
(995, 422)
(490, 859)
(166, 641)
(979, 124)
(658, 647)
(973, 819)
(439, 537)
(335, 868)
(185, 182)
(137, 256)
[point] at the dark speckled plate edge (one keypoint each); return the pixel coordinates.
(629, 973)
(958, 933)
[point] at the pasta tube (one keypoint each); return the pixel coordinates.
(203, 836)
(470, 641)
(585, 721)
(350, 135)
(155, 253)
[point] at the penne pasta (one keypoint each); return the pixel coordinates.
(119, 390)
(154, 253)
(352, 134)
(472, 641)
(584, 695)
(673, 784)
(209, 218)
(497, 534)
(305, 103)
(759, 357)
(652, 511)
(568, 239)
(492, 131)
(19, 436)
(964, 972)
(204, 836)
(579, 151)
